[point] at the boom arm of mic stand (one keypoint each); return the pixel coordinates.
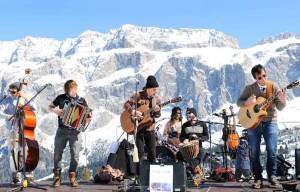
(29, 101)
(3, 98)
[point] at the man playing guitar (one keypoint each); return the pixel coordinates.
(146, 135)
(267, 127)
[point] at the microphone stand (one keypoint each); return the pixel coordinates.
(210, 149)
(136, 123)
(210, 123)
(225, 117)
(3, 98)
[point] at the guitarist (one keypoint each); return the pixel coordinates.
(267, 128)
(146, 135)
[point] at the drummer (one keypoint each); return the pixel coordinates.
(194, 129)
(172, 128)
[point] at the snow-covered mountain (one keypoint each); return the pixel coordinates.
(206, 67)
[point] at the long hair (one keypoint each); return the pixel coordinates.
(174, 113)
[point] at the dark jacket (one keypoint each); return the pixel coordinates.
(243, 155)
(64, 99)
(203, 136)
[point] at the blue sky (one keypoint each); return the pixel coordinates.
(248, 21)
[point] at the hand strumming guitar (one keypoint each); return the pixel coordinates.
(251, 100)
(137, 113)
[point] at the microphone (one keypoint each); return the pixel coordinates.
(3, 98)
(217, 114)
(48, 85)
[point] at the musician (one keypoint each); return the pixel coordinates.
(268, 128)
(65, 134)
(146, 135)
(7, 110)
(201, 134)
(194, 129)
(172, 128)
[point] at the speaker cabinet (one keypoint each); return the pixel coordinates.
(179, 175)
(297, 163)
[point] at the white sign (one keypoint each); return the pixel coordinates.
(161, 178)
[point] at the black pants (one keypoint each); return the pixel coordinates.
(62, 137)
(146, 139)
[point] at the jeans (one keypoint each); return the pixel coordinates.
(269, 130)
(13, 149)
(64, 135)
(146, 137)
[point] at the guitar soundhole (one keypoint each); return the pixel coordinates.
(248, 114)
(256, 109)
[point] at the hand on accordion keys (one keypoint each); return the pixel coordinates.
(89, 119)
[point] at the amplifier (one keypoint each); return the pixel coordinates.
(179, 175)
(297, 163)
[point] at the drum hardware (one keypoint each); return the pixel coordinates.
(166, 154)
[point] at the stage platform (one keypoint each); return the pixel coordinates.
(83, 187)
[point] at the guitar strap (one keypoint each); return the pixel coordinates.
(153, 102)
(269, 92)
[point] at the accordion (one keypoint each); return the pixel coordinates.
(75, 116)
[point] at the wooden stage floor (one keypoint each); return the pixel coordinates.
(206, 187)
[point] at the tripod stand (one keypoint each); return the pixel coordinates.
(225, 151)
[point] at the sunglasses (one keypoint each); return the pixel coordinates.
(13, 92)
(262, 76)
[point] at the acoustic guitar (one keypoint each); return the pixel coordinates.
(127, 120)
(251, 116)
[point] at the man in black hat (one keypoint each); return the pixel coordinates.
(146, 134)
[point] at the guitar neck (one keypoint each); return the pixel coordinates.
(270, 99)
(161, 105)
(233, 116)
